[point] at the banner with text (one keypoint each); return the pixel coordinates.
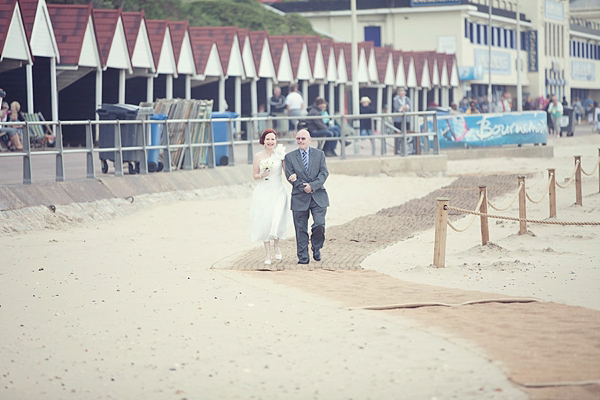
(492, 129)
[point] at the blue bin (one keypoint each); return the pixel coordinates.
(220, 134)
(155, 140)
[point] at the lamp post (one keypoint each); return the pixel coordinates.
(490, 54)
(355, 95)
(518, 44)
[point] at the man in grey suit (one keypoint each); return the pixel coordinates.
(306, 169)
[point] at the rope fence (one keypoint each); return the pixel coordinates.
(443, 206)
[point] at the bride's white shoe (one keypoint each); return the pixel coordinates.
(267, 262)
(278, 255)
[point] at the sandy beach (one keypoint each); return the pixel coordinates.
(130, 307)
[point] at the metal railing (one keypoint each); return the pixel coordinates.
(349, 125)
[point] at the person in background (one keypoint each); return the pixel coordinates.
(366, 124)
(588, 106)
(528, 104)
(548, 117)
(555, 110)
(5, 111)
(9, 135)
(277, 106)
(485, 105)
(317, 127)
(506, 103)
(327, 120)
(597, 117)
(464, 104)
(565, 103)
(472, 108)
(294, 104)
(454, 109)
(578, 110)
(400, 104)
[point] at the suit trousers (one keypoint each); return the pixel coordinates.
(317, 237)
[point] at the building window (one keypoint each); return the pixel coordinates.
(466, 28)
(373, 33)
(472, 31)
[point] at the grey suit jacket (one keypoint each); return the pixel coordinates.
(316, 177)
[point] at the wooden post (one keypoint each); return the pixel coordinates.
(522, 206)
(578, 196)
(485, 229)
(552, 192)
(441, 226)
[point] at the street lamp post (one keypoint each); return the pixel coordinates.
(518, 44)
(490, 54)
(355, 95)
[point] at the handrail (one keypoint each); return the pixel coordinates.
(187, 146)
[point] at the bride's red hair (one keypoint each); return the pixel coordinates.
(265, 133)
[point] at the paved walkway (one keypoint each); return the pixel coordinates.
(347, 245)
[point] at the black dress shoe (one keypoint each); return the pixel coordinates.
(317, 255)
(302, 262)
(348, 143)
(330, 153)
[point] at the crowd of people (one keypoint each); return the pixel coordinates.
(584, 112)
(11, 136)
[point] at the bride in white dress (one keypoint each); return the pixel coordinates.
(270, 209)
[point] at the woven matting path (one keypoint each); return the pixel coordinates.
(347, 245)
(550, 350)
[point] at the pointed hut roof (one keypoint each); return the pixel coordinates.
(75, 34)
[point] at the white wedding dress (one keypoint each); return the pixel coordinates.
(270, 210)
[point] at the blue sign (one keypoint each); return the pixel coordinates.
(470, 73)
(555, 9)
(532, 53)
(583, 71)
(492, 129)
(417, 3)
(500, 61)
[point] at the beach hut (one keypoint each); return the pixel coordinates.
(140, 83)
(44, 49)
(164, 57)
(15, 53)
(116, 61)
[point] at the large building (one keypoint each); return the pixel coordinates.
(559, 41)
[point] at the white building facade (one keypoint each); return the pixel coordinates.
(559, 53)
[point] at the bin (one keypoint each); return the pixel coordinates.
(131, 134)
(155, 140)
(221, 133)
(566, 122)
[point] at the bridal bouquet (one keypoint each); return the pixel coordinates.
(266, 165)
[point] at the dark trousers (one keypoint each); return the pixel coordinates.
(398, 125)
(330, 144)
(317, 237)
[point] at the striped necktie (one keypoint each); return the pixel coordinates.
(305, 159)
